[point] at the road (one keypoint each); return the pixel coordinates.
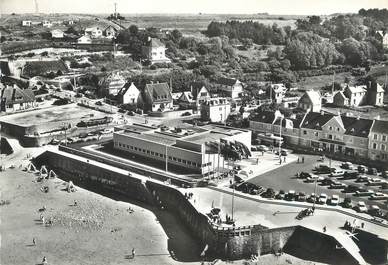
(284, 178)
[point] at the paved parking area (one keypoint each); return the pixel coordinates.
(284, 178)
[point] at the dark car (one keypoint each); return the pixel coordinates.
(303, 175)
(301, 197)
(361, 169)
(280, 195)
(186, 114)
(326, 182)
(337, 185)
(290, 196)
(269, 193)
(98, 103)
(351, 175)
(347, 203)
(375, 211)
(351, 189)
(372, 171)
(324, 169)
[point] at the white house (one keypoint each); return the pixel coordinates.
(129, 94)
(57, 34)
(383, 37)
(311, 100)
(109, 32)
(215, 110)
(277, 92)
(355, 94)
(26, 23)
(155, 51)
(84, 40)
(93, 32)
(230, 86)
(157, 97)
(46, 23)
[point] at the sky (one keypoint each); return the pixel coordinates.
(281, 7)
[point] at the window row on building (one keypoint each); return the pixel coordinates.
(159, 155)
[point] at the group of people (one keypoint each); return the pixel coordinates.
(301, 159)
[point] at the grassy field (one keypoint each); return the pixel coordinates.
(315, 82)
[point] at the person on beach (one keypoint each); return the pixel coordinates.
(133, 253)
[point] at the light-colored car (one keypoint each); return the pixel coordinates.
(364, 192)
(374, 182)
(378, 196)
(334, 200)
(361, 207)
(322, 198)
(347, 165)
(262, 148)
(337, 173)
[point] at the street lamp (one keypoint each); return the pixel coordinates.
(280, 140)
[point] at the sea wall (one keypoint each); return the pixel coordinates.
(230, 243)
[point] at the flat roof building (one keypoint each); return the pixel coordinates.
(191, 148)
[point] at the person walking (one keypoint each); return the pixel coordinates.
(34, 241)
(133, 253)
(302, 159)
(324, 229)
(44, 260)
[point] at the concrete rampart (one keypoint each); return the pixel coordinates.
(230, 243)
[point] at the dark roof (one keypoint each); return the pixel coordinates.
(195, 88)
(357, 126)
(110, 26)
(4, 67)
(226, 81)
(11, 95)
(314, 120)
(155, 43)
(264, 117)
(380, 127)
(160, 92)
(37, 68)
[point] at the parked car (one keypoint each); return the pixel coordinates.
(351, 175)
(98, 103)
(378, 196)
(361, 207)
(301, 197)
(303, 175)
(362, 169)
(131, 113)
(351, 189)
(290, 196)
(262, 148)
(374, 182)
(312, 198)
(338, 185)
(337, 173)
(372, 171)
(347, 203)
(282, 152)
(363, 178)
(375, 210)
(322, 198)
(269, 193)
(324, 169)
(347, 165)
(187, 113)
(363, 192)
(281, 194)
(334, 200)
(326, 182)
(314, 178)
(384, 173)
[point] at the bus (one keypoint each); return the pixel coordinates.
(269, 139)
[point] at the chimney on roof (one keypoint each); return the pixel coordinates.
(322, 112)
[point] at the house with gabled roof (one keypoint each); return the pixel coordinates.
(336, 134)
(128, 94)
(378, 141)
(157, 97)
(382, 36)
(13, 98)
(311, 100)
(57, 34)
(194, 98)
(340, 99)
(230, 87)
(155, 51)
(93, 32)
(109, 32)
(355, 94)
(111, 84)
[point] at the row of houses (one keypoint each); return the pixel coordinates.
(338, 134)
(13, 98)
(45, 23)
(89, 33)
